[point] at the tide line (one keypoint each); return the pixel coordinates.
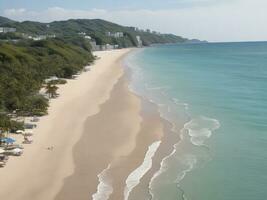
(104, 188)
(134, 178)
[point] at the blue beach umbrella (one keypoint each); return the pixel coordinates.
(8, 140)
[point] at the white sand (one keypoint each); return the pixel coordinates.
(39, 173)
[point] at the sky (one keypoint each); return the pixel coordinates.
(212, 20)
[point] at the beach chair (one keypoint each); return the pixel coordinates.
(14, 152)
(13, 146)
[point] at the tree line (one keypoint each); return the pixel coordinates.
(26, 64)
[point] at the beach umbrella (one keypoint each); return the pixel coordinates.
(8, 140)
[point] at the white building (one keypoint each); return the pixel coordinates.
(94, 46)
(115, 35)
(104, 47)
(139, 41)
(87, 37)
(41, 37)
(82, 33)
(7, 29)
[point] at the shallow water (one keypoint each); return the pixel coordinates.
(220, 92)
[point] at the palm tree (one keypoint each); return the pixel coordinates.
(51, 90)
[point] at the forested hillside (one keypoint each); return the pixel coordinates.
(25, 65)
(96, 28)
(61, 50)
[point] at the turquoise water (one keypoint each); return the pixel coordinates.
(219, 90)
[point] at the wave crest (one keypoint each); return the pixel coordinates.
(134, 178)
(201, 128)
(104, 188)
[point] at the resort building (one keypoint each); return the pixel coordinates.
(82, 33)
(104, 47)
(41, 37)
(115, 35)
(7, 30)
(139, 41)
(87, 37)
(94, 46)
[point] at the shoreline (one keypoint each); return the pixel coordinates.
(41, 172)
(115, 156)
(105, 137)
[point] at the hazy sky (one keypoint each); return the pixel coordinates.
(213, 20)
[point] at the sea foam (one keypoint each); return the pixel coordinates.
(134, 178)
(163, 168)
(104, 188)
(190, 161)
(200, 129)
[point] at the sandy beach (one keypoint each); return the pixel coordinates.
(95, 123)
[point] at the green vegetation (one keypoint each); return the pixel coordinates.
(58, 82)
(26, 64)
(96, 28)
(4, 20)
(10, 36)
(8, 125)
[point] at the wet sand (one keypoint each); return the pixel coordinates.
(39, 173)
(96, 123)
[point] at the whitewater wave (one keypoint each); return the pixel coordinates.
(134, 178)
(190, 161)
(184, 156)
(179, 103)
(200, 129)
(156, 87)
(104, 188)
(163, 168)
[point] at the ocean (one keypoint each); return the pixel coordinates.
(219, 92)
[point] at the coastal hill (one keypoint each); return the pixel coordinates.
(99, 30)
(24, 66)
(4, 20)
(31, 52)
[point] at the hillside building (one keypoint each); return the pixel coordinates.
(139, 41)
(7, 30)
(115, 35)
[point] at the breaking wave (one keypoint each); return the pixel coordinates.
(200, 129)
(134, 178)
(104, 188)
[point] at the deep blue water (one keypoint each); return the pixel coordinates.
(220, 91)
